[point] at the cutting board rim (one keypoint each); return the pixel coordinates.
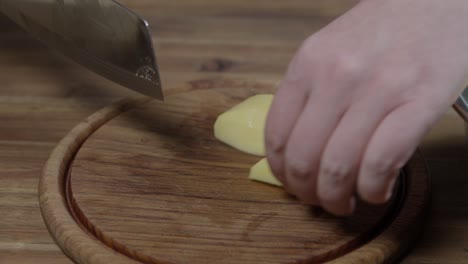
(84, 247)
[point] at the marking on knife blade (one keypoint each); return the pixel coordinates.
(147, 73)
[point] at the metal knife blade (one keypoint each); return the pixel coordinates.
(462, 106)
(101, 35)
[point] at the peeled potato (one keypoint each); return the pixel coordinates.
(261, 172)
(242, 126)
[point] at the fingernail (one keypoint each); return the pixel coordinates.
(390, 188)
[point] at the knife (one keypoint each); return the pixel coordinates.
(101, 35)
(462, 107)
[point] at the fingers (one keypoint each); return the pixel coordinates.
(285, 109)
(307, 140)
(391, 146)
(340, 160)
(287, 104)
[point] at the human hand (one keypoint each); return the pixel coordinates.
(359, 96)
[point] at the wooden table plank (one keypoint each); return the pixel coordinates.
(42, 96)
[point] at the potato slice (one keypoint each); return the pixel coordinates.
(242, 126)
(261, 172)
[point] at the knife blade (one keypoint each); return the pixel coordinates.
(101, 35)
(462, 106)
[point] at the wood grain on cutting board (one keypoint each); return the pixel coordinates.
(149, 181)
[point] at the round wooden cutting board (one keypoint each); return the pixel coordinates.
(144, 181)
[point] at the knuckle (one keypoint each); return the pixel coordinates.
(347, 67)
(307, 52)
(312, 53)
(329, 65)
(335, 173)
(298, 167)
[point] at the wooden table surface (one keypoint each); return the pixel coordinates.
(43, 95)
